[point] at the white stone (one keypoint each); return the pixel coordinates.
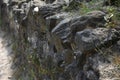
(36, 9)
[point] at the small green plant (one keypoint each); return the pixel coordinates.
(109, 23)
(72, 6)
(85, 9)
(112, 18)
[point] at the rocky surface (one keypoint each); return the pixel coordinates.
(52, 44)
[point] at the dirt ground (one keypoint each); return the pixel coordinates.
(5, 58)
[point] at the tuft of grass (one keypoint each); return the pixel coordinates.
(112, 18)
(72, 6)
(85, 9)
(91, 6)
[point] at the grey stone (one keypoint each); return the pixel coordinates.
(93, 38)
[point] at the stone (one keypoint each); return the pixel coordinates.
(53, 20)
(67, 28)
(36, 9)
(93, 38)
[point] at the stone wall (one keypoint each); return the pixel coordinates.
(51, 44)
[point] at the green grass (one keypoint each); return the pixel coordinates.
(91, 6)
(83, 7)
